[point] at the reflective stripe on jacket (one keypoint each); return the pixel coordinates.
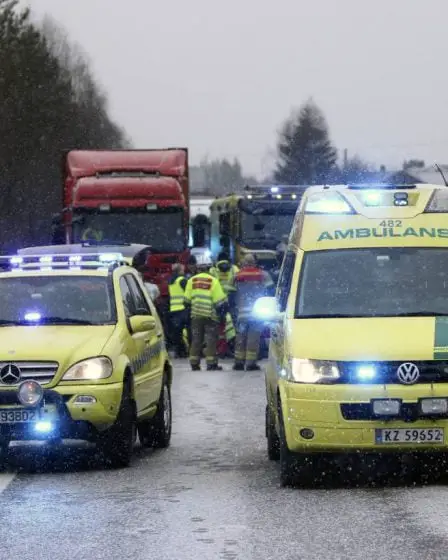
(177, 293)
(204, 295)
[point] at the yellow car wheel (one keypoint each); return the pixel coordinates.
(157, 431)
(117, 442)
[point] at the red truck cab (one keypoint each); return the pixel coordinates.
(130, 196)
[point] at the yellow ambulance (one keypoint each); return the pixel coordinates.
(358, 359)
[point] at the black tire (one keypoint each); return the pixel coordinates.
(157, 431)
(296, 469)
(4, 453)
(288, 462)
(117, 443)
(273, 442)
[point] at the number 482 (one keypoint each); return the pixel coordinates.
(391, 223)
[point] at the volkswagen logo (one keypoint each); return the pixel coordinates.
(407, 373)
(10, 374)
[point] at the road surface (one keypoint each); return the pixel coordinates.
(212, 495)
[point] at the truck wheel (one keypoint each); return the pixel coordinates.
(157, 431)
(273, 443)
(117, 442)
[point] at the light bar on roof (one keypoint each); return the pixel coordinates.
(328, 202)
(279, 192)
(62, 261)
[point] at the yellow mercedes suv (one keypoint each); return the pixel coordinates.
(83, 355)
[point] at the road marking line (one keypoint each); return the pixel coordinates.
(5, 481)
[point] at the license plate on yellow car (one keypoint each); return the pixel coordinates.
(18, 415)
(409, 435)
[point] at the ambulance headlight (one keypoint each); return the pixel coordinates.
(386, 407)
(313, 371)
(428, 407)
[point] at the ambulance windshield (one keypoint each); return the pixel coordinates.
(395, 282)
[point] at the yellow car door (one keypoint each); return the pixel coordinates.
(150, 377)
(138, 349)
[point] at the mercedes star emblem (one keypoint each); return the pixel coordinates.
(10, 374)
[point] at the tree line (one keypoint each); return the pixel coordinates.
(49, 102)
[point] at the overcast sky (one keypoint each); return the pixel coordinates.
(220, 77)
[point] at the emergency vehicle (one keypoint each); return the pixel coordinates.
(358, 356)
(254, 222)
(83, 355)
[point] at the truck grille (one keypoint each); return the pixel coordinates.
(433, 371)
(42, 372)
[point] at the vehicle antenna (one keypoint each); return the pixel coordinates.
(437, 166)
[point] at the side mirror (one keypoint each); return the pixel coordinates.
(266, 309)
(142, 323)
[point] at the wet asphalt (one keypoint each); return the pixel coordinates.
(214, 495)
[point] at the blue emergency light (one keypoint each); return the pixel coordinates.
(62, 261)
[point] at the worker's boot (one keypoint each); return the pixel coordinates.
(195, 367)
(214, 367)
(253, 367)
(238, 366)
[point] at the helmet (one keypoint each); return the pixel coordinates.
(204, 261)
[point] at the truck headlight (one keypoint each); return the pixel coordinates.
(313, 371)
(92, 368)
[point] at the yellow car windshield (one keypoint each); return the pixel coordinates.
(56, 300)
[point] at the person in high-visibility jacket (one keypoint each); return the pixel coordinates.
(178, 313)
(252, 282)
(208, 305)
(226, 272)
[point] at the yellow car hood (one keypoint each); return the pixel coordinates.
(398, 338)
(59, 343)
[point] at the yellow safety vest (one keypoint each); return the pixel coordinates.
(176, 295)
(227, 278)
(204, 294)
(230, 332)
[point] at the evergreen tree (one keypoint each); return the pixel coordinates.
(41, 114)
(306, 155)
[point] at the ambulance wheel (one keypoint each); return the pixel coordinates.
(295, 468)
(273, 443)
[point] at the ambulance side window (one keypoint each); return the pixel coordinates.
(285, 279)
